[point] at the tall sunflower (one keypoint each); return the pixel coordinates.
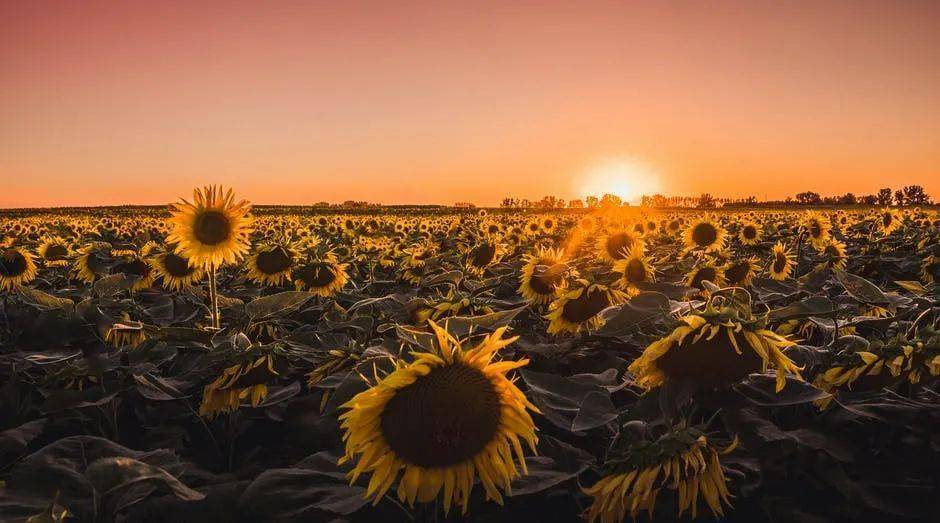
(439, 421)
(889, 221)
(579, 309)
(704, 235)
(781, 265)
(213, 229)
(16, 267)
(93, 261)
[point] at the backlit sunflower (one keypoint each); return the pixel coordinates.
(271, 264)
(817, 226)
(54, 252)
(16, 267)
(634, 269)
(174, 271)
(704, 235)
(616, 244)
(543, 276)
(579, 309)
(889, 221)
(440, 421)
(781, 264)
(714, 350)
(323, 277)
(213, 230)
(682, 460)
(750, 234)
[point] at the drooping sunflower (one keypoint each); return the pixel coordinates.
(750, 234)
(245, 380)
(271, 263)
(817, 226)
(579, 309)
(781, 265)
(213, 230)
(616, 244)
(323, 277)
(54, 252)
(704, 235)
(740, 272)
(835, 254)
(682, 460)
(125, 332)
(714, 350)
(543, 276)
(175, 271)
(442, 419)
(706, 270)
(634, 269)
(16, 267)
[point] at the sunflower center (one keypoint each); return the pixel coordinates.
(586, 306)
(710, 364)
(317, 275)
(212, 228)
(886, 219)
(482, 255)
(705, 273)
(780, 262)
(12, 263)
(636, 271)
(443, 418)
(618, 245)
(750, 232)
(737, 272)
(815, 229)
(544, 281)
(177, 266)
(704, 234)
(56, 252)
(274, 261)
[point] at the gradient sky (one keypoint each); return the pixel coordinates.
(298, 102)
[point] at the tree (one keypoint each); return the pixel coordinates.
(847, 199)
(869, 199)
(706, 201)
(576, 204)
(610, 200)
(915, 195)
(509, 203)
(591, 202)
(884, 197)
(899, 197)
(808, 198)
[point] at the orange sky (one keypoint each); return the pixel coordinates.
(297, 102)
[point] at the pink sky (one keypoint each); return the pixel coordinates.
(435, 102)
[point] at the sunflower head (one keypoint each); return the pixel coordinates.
(16, 267)
(705, 235)
(54, 252)
(271, 264)
(543, 276)
(175, 271)
(324, 276)
(781, 262)
(617, 244)
(740, 272)
(817, 227)
(247, 379)
(834, 251)
(437, 422)
(579, 309)
(635, 269)
(707, 270)
(750, 234)
(212, 230)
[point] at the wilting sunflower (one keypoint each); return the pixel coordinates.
(441, 420)
(579, 309)
(750, 234)
(212, 230)
(174, 271)
(634, 269)
(782, 262)
(246, 380)
(271, 264)
(616, 244)
(817, 226)
(16, 267)
(706, 270)
(125, 333)
(324, 277)
(739, 273)
(681, 460)
(54, 252)
(543, 276)
(714, 350)
(835, 254)
(888, 221)
(704, 235)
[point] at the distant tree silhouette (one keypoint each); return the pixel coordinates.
(884, 196)
(808, 198)
(706, 201)
(915, 195)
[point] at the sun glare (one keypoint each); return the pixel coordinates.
(627, 178)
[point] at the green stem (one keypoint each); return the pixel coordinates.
(214, 299)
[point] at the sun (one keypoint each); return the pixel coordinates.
(628, 178)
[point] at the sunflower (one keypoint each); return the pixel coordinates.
(579, 309)
(125, 333)
(634, 269)
(324, 277)
(682, 460)
(714, 350)
(817, 226)
(174, 271)
(16, 268)
(543, 276)
(704, 235)
(835, 254)
(136, 270)
(237, 382)
(213, 230)
(706, 270)
(749, 234)
(271, 264)
(739, 273)
(54, 252)
(889, 221)
(483, 255)
(782, 263)
(615, 245)
(441, 420)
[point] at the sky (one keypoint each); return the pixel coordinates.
(438, 102)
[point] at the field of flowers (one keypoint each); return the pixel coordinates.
(213, 362)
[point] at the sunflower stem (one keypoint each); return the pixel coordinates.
(214, 299)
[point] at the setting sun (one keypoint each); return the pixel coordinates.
(628, 178)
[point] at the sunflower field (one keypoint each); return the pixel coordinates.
(212, 362)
